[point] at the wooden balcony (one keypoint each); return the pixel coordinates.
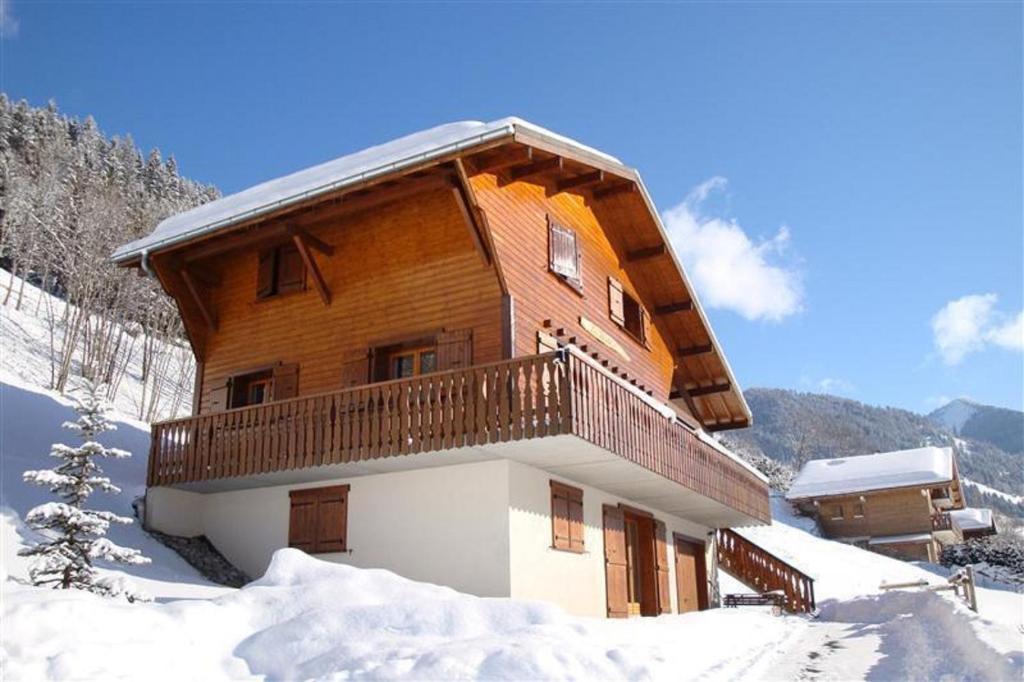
(763, 571)
(942, 521)
(519, 400)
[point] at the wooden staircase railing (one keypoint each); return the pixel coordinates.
(761, 570)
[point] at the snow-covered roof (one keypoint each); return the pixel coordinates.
(332, 175)
(972, 518)
(920, 466)
(899, 539)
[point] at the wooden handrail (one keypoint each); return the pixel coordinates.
(761, 570)
(530, 397)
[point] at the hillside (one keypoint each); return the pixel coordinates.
(997, 426)
(792, 427)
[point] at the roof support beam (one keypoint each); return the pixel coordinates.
(677, 307)
(500, 160)
(199, 298)
(579, 182)
(647, 253)
(318, 279)
(699, 391)
(469, 218)
(615, 190)
(532, 169)
(695, 350)
(311, 241)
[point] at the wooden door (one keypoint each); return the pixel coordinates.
(615, 567)
(691, 575)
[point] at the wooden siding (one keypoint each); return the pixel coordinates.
(895, 512)
(518, 217)
(401, 270)
(524, 398)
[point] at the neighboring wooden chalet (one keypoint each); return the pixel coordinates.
(974, 522)
(468, 355)
(895, 503)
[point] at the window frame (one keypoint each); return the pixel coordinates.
(858, 510)
(242, 383)
(575, 539)
(838, 513)
(417, 358)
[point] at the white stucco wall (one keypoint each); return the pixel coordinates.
(574, 581)
(445, 525)
(483, 528)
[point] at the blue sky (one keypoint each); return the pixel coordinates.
(843, 180)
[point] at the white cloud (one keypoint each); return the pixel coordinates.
(970, 324)
(728, 268)
(833, 385)
(8, 22)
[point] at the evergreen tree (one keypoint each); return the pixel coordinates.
(76, 534)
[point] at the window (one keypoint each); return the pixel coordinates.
(858, 510)
(280, 271)
(408, 363)
(566, 517)
(318, 519)
(837, 512)
(251, 389)
(627, 312)
(564, 255)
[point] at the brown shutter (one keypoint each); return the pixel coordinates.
(576, 527)
(661, 565)
(563, 254)
(291, 271)
(356, 370)
(615, 562)
(218, 400)
(286, 381)
(318, 519)
(332, 519)
(265, 274)
(455, 349)
(559, 520)
(645, 326)
(302, 520)
(615, 307)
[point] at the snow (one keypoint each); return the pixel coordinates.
(897, 539)
(920, 466)
(346, 170)
(972, 518)
(954, 414)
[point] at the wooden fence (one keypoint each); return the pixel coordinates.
(763, 571)
(530, 397)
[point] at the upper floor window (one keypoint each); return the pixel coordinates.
(627, 312)
(251, 389)
(408, 363)
(564, 255)
(281, 270)
(837, 512)
(858, 510)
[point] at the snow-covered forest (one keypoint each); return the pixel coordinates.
(68, 196)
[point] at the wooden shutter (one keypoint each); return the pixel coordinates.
(576, 526)
(645, 326)
(566, 517)
(265, 273)
(286, 381)
(318, 519)
(291, 271)
(218, 400)
(563, 254)
(356, 370)
(616, 310)
(615, 562)
(661, 566)
(455, 349)
(302, 520)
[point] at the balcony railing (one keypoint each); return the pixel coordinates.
(942, 521)
(524, 398)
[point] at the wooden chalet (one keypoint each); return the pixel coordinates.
(895, 503)
(468, 355)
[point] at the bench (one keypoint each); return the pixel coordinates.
(776, 599)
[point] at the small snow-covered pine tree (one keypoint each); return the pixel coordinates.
(76, 534)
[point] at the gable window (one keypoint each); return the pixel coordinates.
(626, 311)
(566, 517)
(564, 255)
(280, 271)
(318, 519)
(837, 512)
